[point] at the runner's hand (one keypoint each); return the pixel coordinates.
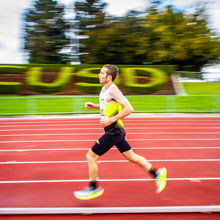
(88, 105)
(105, 121)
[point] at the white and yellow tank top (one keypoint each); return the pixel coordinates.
(109, 110)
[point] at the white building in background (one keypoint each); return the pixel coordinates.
(211, 72)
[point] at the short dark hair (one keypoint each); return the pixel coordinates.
(112, 70)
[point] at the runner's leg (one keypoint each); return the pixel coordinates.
(159, 175)
(92, 159)
(101, 146)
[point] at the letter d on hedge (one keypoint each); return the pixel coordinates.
(157, 80)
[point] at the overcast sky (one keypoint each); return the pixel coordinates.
(11, 22)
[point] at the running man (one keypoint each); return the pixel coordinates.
(113, 106)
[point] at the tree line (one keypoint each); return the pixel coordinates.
(153, 36)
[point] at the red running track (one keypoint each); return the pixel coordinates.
(42, 162)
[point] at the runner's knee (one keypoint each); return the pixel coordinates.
(131, 157)
(91, 157)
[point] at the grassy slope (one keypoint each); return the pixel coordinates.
(75, 104)
(200, 88)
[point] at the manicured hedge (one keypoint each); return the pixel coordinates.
(168, 69)
(10, 69)
(33, 79)
(90, 88)
(86, 77)
(89, 75)
(10, 87)
(89, 81)
(158, 79)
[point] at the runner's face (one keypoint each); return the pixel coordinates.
(103, 77)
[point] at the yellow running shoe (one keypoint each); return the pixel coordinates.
(88, 193)
(161, 179)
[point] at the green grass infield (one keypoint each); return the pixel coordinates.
(35, 105)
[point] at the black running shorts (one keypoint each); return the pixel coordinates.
(107, 141)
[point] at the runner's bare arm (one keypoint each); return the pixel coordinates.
(90, 105)
(117, 95)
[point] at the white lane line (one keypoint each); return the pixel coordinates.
(83, 149)
(127, 120)
(95, 124)
(99, 128)
(100, 133)
(87, 140)
(105, 161)
(192, 179)
(48, 125)
(109, 210)
(60, 134)
(45, 149)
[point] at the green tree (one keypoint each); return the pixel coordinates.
(119, 41)
(180, 39)
(89, 16)
(157, 35)
(45, 32)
